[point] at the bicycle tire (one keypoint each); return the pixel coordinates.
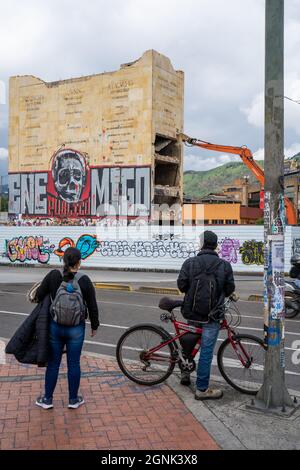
(222, 369)
(290, 312)
(164, 335)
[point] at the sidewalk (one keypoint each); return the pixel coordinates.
(117, 415)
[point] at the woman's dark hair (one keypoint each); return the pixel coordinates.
(72, 256)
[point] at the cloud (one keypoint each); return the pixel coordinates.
(218, 44)
(199, 163)
(255, 111)
(3, 153)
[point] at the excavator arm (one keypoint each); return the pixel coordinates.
(247, 158)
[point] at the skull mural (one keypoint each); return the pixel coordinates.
(69, 175)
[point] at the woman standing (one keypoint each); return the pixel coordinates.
(67, 328)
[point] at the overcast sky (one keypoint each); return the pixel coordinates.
(219, 44)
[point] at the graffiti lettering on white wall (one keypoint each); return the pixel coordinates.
(149, 249)
(29, 249)
(252, 252)
(229, 249)
(86, 244)
(72, 189)
(40, 249)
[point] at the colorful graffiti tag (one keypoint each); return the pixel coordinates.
(229, 249)
(86, 244)
(252, 252)
(29, 249)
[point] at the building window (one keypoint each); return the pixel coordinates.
(206, 222)
(231, 222)
(218, 222)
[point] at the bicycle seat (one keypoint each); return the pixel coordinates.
(169, 304)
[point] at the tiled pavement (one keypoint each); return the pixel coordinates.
(117, 415)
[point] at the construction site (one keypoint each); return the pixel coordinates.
(99, 145)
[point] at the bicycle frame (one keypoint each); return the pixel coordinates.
(184, 328)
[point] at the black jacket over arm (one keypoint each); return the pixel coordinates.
(52, 281)
(30, 343)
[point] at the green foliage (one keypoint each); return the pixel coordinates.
(198, 184)
(4, 204)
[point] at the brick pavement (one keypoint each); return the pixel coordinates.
(117, 415)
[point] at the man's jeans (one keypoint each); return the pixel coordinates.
(72, 337)
(209, 338)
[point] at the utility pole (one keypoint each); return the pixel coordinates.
(273, 395)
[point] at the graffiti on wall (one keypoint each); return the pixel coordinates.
(73, 189)
(296, 246)
(86, 244)
(252, 252)
(229, 249)
(29, 249)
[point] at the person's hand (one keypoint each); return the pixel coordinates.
(93, 333)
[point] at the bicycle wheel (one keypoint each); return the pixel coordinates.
(247, 377)
(135, 360)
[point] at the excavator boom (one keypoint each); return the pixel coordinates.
(247, 158)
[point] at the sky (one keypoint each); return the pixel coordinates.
(219, 44)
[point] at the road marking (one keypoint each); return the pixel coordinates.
(155, 307)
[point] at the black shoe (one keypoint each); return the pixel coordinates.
(185, 378)
(45, 403)
(76, 402)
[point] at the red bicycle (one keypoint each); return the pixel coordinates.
(147, 353)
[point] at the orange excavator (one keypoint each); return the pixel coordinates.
(249, 161)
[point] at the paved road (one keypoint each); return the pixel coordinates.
(246, 285)
(119, 310)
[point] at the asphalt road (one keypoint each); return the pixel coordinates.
(119, 310)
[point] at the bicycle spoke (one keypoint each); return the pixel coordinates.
(133, 358)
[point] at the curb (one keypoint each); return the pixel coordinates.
(107, 286)
(159, 290)
(256, 298)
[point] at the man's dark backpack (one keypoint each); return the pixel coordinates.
(202, 297)
(68, 307)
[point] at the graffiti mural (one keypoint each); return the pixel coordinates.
(147, 249)
(229, 249)
(252, 252)
(86, 244)
(296, 246)
(29, 249)
(73, 189)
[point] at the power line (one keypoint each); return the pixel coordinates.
(290, 99)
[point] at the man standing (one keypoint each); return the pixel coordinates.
(206, 280)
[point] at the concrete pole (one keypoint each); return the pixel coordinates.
(273, 396)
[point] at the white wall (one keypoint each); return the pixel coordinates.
(132, 248)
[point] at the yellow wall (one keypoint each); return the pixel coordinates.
(211, 212)
(110, 117)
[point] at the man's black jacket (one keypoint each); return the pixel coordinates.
(30, 343)
(192, 267)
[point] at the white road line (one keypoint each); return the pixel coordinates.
(120, 327)
(125, 327)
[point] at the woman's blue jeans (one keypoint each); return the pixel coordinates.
(209, 338)
(72, 337)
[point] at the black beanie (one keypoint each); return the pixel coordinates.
(210, 240)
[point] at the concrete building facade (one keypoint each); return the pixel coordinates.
(99, 145)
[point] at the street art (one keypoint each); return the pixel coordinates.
(229, 249)
(69, 174)
(145, 249)
(252, 252)
(73, 189)
(86, 244)
(296, 246)
(29, 249)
